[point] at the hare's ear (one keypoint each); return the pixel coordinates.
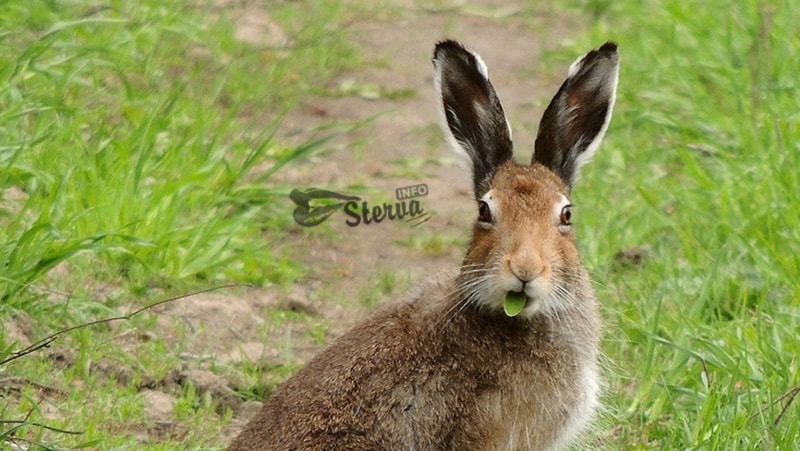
(574, 123)
(472, 117)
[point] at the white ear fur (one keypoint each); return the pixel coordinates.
(591, 149)
(578, 116)
(469, 111)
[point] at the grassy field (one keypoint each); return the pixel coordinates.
(699, 179)
(134, 163)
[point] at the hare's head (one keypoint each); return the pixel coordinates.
(523, 257)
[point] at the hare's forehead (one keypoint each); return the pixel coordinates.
(517, 209)
(530, 185)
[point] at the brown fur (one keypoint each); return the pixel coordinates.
(405, 379)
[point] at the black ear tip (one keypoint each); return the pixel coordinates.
(607, 52)
(445, 46)
(610, 47)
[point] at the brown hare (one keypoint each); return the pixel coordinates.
(501, 353)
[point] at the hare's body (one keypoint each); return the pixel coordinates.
(500, 354)
(417, 376)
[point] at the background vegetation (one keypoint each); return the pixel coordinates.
(133, 156)
(135, 163)
(698, 178)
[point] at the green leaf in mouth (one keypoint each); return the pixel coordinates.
(515, 302)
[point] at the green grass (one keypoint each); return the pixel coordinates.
(137, 161)
(699, 171)
(129, 137)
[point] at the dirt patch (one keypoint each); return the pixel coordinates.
(19, 329)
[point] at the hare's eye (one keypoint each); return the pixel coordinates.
(566, 215)
(484, 212)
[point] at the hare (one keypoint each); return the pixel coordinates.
(501, 353)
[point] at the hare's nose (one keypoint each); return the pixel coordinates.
(526, 266)
(526, 273)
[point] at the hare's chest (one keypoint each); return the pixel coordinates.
(544, 413)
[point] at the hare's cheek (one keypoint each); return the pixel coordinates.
(483, 246)
(540, 289)
(483, 291)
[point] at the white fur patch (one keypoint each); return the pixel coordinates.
(588, 385)
(482, 68)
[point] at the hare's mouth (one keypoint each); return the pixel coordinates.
(515, 302)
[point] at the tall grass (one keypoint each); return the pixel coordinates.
(137, 150)
(699, 174)
(128, 138)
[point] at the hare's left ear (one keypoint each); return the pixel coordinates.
(472, 117)
(577, 118)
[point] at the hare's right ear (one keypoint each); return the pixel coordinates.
(472, 117)
(576, 120)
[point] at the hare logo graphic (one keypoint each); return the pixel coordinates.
(359, 212)
(308, 216)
